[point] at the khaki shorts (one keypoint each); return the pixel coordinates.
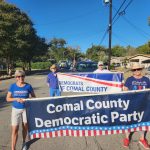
(17, 115)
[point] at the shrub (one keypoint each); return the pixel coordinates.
(41, 65)
(2, 73)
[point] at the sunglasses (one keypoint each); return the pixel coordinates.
(139, 69)
(19, 76)
(100, 65)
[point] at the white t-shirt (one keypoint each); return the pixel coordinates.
(101, 71)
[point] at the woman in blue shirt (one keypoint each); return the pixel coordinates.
(52, 82)
(137, 82)
(17, 94)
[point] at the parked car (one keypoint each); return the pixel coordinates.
(148, 72)
(63, 64)
(117, 65)
(86, 66)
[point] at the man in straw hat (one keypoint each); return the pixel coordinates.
(52, 81)
(137, 82)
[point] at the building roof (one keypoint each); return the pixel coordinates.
(130, 57)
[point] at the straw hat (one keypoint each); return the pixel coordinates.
(53, 67)
(136, 66)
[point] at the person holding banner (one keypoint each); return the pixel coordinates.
(100, 68)
(17, 94)
(137, 82)
(52, 82)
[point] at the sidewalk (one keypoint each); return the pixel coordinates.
(5, 77)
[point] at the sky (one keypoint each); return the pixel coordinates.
(83, 23)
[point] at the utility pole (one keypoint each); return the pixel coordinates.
(109, 2)
(149, 20)
(110, 33)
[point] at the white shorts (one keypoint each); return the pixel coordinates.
(17, 115)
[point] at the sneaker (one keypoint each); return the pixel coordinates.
(126, 142)
(24, 146)
(144, 143)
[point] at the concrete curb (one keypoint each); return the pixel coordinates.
(5, 78)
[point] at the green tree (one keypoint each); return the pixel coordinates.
(57, 48)
(57, 43)
(74, 54)
(18, 39)
(130, 51)
(37, 48)
(118, 51)
(97, 53)
(144, 49)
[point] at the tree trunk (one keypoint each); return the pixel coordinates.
(29, 65)
(8, 64)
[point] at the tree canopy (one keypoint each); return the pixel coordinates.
(97, 53)
(59, 51)
(18, 38)
(144, 49)
(19, 42)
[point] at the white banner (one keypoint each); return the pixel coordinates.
(90, 82)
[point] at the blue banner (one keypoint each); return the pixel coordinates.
(89, 115)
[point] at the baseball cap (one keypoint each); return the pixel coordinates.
(100, 63)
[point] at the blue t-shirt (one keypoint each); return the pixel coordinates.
(52, 80)
(137, 84)
(20, 92)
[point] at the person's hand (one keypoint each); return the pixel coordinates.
(20, 100)
(48, 84)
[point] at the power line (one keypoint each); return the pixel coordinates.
(120, 39)
(128, 4)
(119, 9)
(105, 33)
(138, 29)
(121, 13)
(68, 19)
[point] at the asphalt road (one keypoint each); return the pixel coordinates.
(111, 142)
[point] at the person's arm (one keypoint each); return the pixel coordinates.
(126, 85)
(31, 91)
(125, 88)
(9, 98)
(95, 71)
(33, 94)
(48, 82)
(148, 83)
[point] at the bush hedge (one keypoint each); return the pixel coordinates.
(41, 65)
(2, 73)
